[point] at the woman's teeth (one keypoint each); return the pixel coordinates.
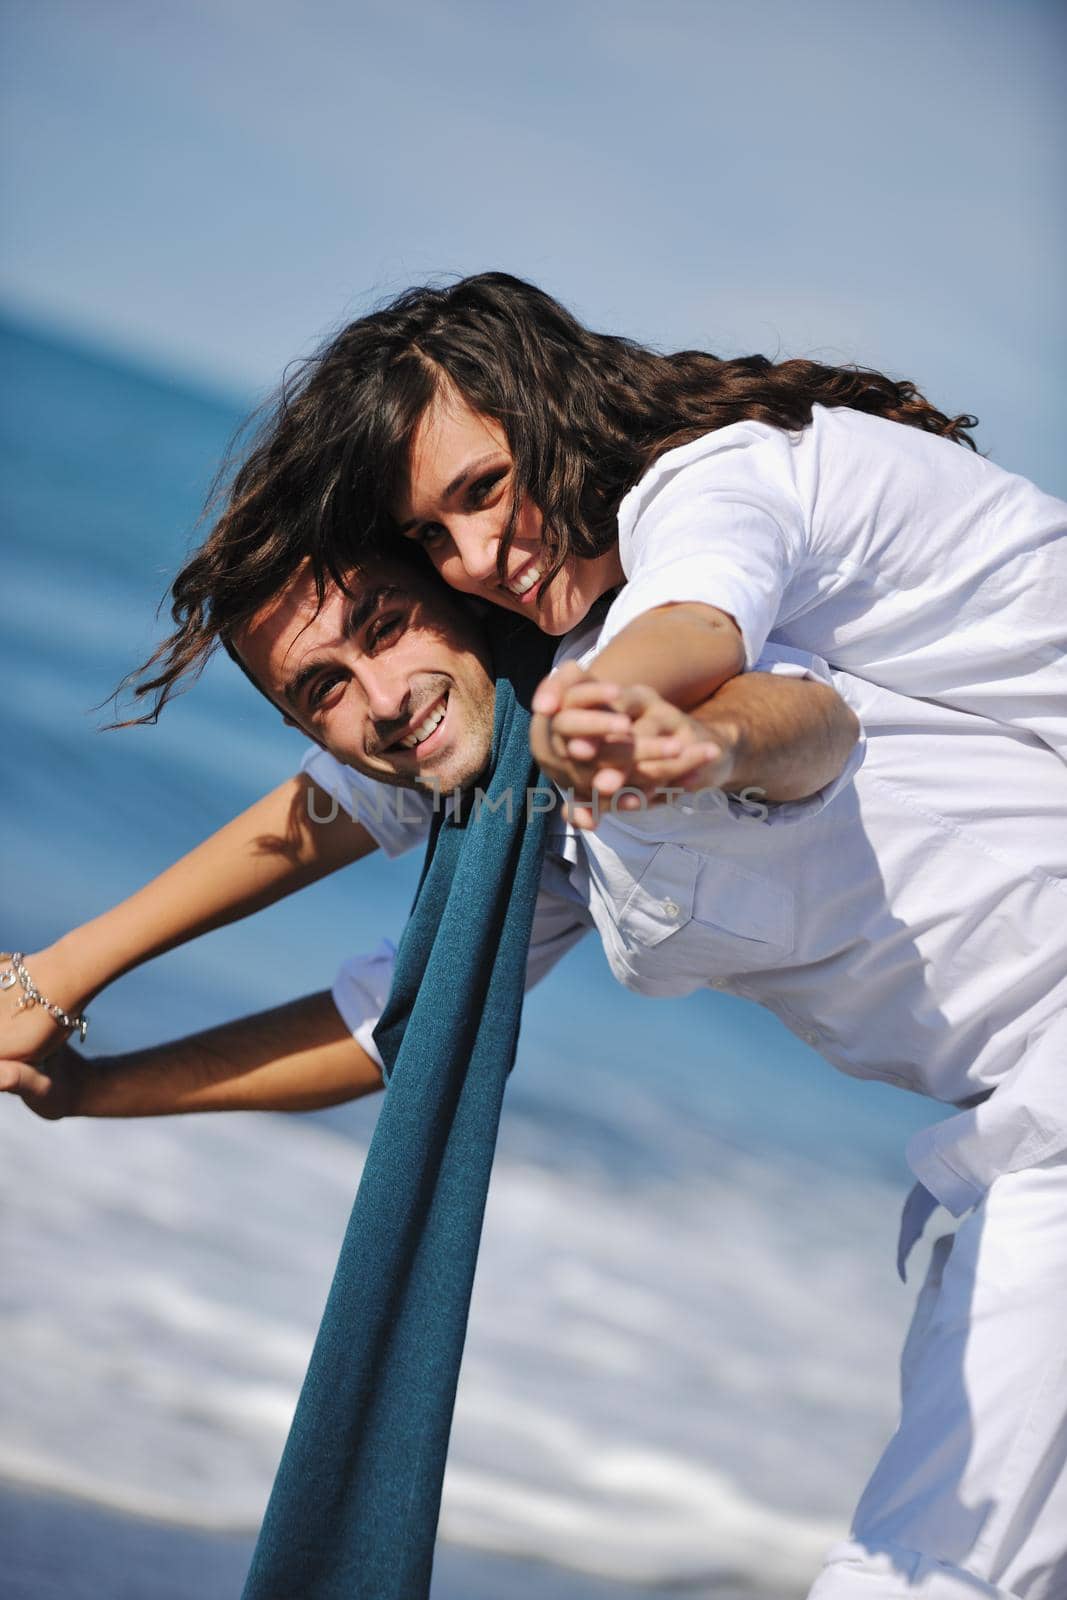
(424, 729)
(525, 581)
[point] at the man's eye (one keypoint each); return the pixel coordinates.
(321, 688)
(383, 630)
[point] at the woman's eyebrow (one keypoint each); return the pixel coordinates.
(462, 476)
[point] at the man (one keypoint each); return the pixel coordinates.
(783, 735)
(913, 928)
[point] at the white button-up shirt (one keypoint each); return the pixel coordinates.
(889, 552)
(910, 921)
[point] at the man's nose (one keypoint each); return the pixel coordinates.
(385, 689)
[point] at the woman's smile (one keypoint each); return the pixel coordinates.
(458, 507)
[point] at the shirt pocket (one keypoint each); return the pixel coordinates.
(738, 917)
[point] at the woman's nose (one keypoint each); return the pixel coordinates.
(477, 551)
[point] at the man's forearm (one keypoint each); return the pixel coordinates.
(295, 1057)
(268, 852)
(790, 736)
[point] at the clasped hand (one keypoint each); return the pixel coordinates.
(36, 1063)
(620, 748)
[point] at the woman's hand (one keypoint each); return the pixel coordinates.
(51, 1090)
(673, 751)
(30, 1033)
(623, 748)
(577, 736)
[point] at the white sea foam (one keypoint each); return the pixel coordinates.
(665, 1382)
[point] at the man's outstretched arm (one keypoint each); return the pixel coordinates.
(786, 736)
(295, 1057)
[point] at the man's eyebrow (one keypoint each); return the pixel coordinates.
(465, 473)
(356, 618)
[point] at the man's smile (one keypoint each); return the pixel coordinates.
(424, 731)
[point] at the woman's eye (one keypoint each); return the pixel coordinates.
(481, 489)
(429, 535)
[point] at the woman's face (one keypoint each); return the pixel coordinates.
(457, 504)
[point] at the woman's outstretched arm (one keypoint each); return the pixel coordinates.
(295, 1057)
(685, 652)
(274, 848)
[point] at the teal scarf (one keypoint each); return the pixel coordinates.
(353, 1513)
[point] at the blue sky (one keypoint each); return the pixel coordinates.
(212, 184)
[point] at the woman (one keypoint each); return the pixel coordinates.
(539, 465)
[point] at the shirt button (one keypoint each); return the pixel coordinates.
(812, 1036)
(671, 909)
(717, 983)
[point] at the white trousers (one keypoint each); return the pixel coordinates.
(970, 1498)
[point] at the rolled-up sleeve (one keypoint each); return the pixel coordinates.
(783, 662)
(559, 922)
(715, 523)
(360, 991)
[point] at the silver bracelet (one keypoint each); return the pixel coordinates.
(32, 996)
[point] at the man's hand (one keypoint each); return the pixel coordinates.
(52, 1089)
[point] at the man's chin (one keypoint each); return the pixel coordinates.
(436, 777)
(447, 779)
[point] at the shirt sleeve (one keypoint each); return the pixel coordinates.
(398, 819)
(559, 922)
(362, 984)
(360, 991)
(783, 662)
(718, 521)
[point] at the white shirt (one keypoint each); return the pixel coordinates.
(910, 921)
(891, 553)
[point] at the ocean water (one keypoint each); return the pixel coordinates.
(682, 1360)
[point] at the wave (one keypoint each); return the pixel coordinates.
(665, 1384)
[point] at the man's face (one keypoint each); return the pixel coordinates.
(395, 682)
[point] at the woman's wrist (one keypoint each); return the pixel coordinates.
(80, 964)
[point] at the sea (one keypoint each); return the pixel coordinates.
(683, 1351)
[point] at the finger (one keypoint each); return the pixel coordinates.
(582, 816)
(590, 693)
(609, 780)
(573, 722)
(660, 748)
(638, 701)
(17, 1077)
(705, 767)
(583, 749)
(693, 768)
(548, 696)
(541, 740)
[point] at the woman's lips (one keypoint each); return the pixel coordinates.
(523, 586)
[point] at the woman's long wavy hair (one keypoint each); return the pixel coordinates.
(585, 414)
